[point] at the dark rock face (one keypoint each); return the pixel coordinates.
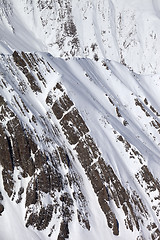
(1, 208)
(54, 188)
(6, 153)
(64, 231)
(1, 205)
(73, 126)
(20, 62)
(19, 151)
(41, 220)
(101, 176)
(62, 105)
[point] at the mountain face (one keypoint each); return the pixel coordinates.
(80, 120)
(123, 31)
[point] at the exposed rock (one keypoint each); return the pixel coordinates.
(20, 192)
(64, 231)
(62, 105)
(45, 168)
(1, 209)
(41, 219)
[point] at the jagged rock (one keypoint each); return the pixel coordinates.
(1, 209)
(41, 219)
(61, 106)
(48, 152)
(64, 231)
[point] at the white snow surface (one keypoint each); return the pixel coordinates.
(120, 30)
(125, 33)
(91, 86)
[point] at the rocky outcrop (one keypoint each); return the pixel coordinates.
(47, 148)
(103, 179)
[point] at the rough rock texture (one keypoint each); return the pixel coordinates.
(51, 149)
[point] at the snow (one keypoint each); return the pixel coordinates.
(120, 30)
(12, 224)
(124, 31)
(90, 85)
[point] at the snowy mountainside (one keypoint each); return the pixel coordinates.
(124, 31)
(79, 148)
(79, 119)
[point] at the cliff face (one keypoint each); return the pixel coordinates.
(70, 157)
(79, 131)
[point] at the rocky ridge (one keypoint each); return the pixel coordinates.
(46, 144)
(79, 119)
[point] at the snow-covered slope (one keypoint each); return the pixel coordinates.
(80, 147)
(120, 30)
(79, 120)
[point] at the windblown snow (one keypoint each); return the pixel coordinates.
(97, 61)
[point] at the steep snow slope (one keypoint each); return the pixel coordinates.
(79, 119)
(124, 31)
(80, 149)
